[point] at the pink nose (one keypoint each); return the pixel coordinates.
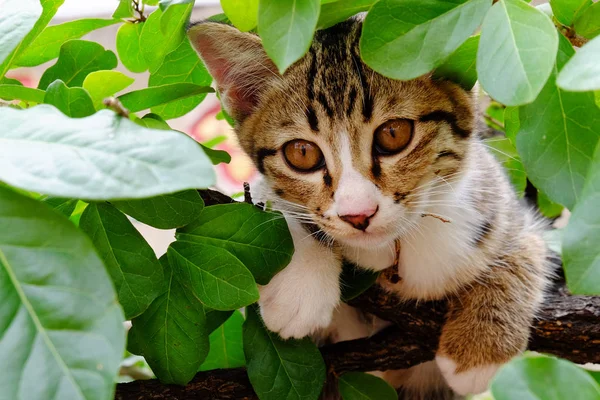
(359, 221)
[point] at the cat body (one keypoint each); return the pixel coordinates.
(370, 169)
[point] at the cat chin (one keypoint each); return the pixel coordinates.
(366, 240)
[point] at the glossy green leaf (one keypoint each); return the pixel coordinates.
(63, 206)
(588, 23)
(176, 15)
(169, 38)
(103, 84)
(355, 281)
(286, 28)
(582, 72)
(156, 95)
(516, 52)
(129, 47)
(171, 334)
(215, 276)
(182, 65)
(338, 11)
(566, 11)
(16, 31)
(47, 45)
(73, 102)
(19, 92)
(226, 345)
(10, 81)
(278, 369)
(61, 327)
(243, 14)
(165, 212)
(259, 239)
(557, 137)
(77, 59)
(511, 124)
(124, 9)
(361, 386)
(216, 318)
(129, 259)
(581, 243)
(537, 377)
(460, 67)
(402, 44)
(153, 121)
(98, 158)
(217, 156)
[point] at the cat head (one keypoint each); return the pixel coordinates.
(342, 147)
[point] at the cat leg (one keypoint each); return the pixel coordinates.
(488, 322)
(300, 299)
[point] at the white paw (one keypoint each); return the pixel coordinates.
(473, 381)
(295, 312)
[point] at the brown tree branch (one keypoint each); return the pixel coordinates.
(568, 326)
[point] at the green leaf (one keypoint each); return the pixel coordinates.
(180, 66)
(47, 45)
(217, 156)
(77, 59)
(286, 28)
(73, 102)
(156, 95)
(61, 327)
(259, 239)
(505, 153)
(76, 214)
(19, 92)
(226, 346)
(547, 207)
(581, 243)
(243, 14)
(215, 318)
(511, 124)
(566, 11)
(124, 9)
(17, 19)
(170, 38)
(16, 23)
(63, 206)
(100, 157)
(557, 137)
(176, 15)
(278, 369)
(129, 47)
(153, 121)
(171, 334)
(588, 23)
(103, 84)
(402, 44)
(460, 67)
(10, 81)
(582, 72)
(129, 259)
(216, 277)
(361, 386)
(516, 53)
(165, 212)
(537, 377)
(338, 11)
(355, 281)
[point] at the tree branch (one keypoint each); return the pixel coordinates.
(568, 326)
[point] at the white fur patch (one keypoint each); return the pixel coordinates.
(300, 300)
(473, 381)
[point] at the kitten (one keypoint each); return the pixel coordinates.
(356, 162)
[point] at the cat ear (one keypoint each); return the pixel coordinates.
(237, 62)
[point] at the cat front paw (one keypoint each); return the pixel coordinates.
(294, 314)
(472, 381)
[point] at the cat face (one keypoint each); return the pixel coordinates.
(342, 147)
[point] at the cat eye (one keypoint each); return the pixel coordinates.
(392, 136)
(303, 155)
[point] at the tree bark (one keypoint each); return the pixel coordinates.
(568, 326)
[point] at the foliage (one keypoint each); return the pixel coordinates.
(74, 168)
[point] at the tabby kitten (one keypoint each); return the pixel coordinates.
(358, 162)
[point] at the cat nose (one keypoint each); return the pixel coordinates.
(359, 221)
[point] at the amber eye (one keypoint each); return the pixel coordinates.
(303, 155)
(392, 136)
